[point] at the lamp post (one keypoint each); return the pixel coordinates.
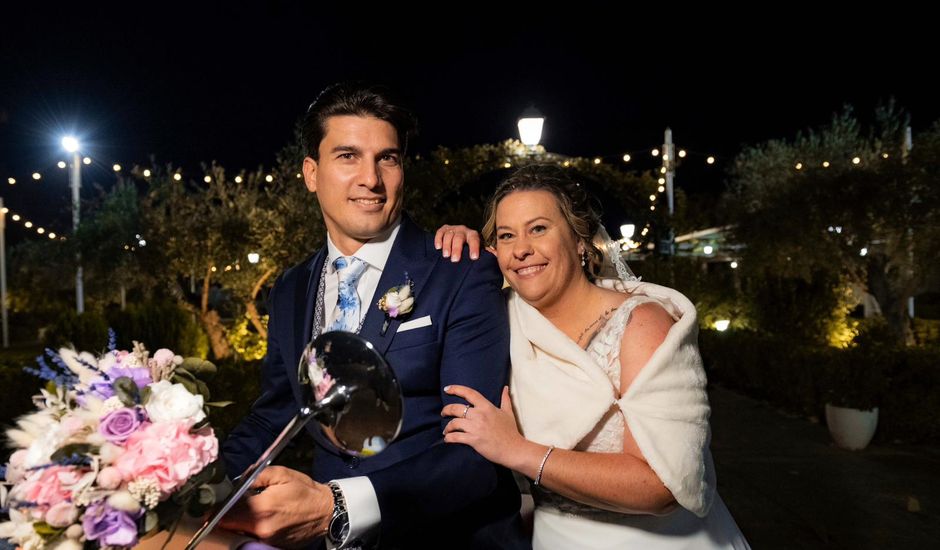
(3, 274)
(530, 127)
(70, 144)
(669, 171)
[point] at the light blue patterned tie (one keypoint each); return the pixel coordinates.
(350, 268)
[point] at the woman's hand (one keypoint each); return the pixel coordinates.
(451, 238)
(491, 431)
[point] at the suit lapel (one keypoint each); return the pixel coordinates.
(409, 255)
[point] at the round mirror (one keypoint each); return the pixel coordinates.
(352, 392)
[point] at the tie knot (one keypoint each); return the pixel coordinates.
(349, 267)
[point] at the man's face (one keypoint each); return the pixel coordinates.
(358, 179)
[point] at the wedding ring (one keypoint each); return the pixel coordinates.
(465, 411)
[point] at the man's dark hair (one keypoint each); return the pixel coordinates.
(355, 99)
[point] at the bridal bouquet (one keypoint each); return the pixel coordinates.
(119, 448)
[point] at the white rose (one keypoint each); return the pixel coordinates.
(173, 402)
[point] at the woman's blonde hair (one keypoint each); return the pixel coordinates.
(574, 202)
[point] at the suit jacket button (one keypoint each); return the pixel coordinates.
(353, 462)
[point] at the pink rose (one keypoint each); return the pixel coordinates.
(168, 453)
(62, 514)
(110, 478)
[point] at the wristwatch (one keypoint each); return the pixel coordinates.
(339, 523)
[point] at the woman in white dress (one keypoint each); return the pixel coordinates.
(608, 413)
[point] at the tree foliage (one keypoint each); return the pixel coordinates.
(848, 200)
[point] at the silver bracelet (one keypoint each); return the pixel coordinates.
(538, 477)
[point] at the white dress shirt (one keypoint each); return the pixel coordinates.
(362, 505)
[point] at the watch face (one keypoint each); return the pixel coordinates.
(339, 527)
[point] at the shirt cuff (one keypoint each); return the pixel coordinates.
(362, 506)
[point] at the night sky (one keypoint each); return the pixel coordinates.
(227, 84)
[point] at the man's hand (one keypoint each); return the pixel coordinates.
(291, 510)
(451, 238)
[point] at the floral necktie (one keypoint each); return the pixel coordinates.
(349, 268)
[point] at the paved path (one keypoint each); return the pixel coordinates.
(788, 486)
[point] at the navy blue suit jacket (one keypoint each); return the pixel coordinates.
(429, 492)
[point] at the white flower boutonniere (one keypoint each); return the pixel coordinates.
(397, 302)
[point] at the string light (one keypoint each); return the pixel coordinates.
(825, 164)
(61, 164)
(856, 160)
(655, 152)
(147, 172)
(660, 188)
(116, 167)
(597, 160)
(682, 153)
(238, 179)
(207, 179)
(627, 157)
(86, 160)
(177, 176)
(799, 166)
(710, 160)
(11, 181)
(269, 178)
(37, 176)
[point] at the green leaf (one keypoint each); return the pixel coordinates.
(46, 531)
(201, 368)
(145, 394)
(151, 522)
(127, 391)
(203, 390)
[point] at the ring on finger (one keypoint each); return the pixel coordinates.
(465, 411)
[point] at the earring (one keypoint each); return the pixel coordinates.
(583, 259)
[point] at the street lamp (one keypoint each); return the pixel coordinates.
(71, 145)
(530, 127)
(627, 230)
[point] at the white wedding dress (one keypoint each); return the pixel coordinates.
(560, 523)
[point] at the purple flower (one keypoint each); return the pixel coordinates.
(108, 526)
(101, 388)
(140, 375)
(117, 426)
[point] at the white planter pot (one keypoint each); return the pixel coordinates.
(851, 429)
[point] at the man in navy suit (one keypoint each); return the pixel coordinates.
(418, 492)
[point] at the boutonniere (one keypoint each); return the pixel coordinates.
(397, 302)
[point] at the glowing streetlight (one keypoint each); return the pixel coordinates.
(71, 145)
(530, 127)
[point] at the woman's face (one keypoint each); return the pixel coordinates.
(537, 250)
